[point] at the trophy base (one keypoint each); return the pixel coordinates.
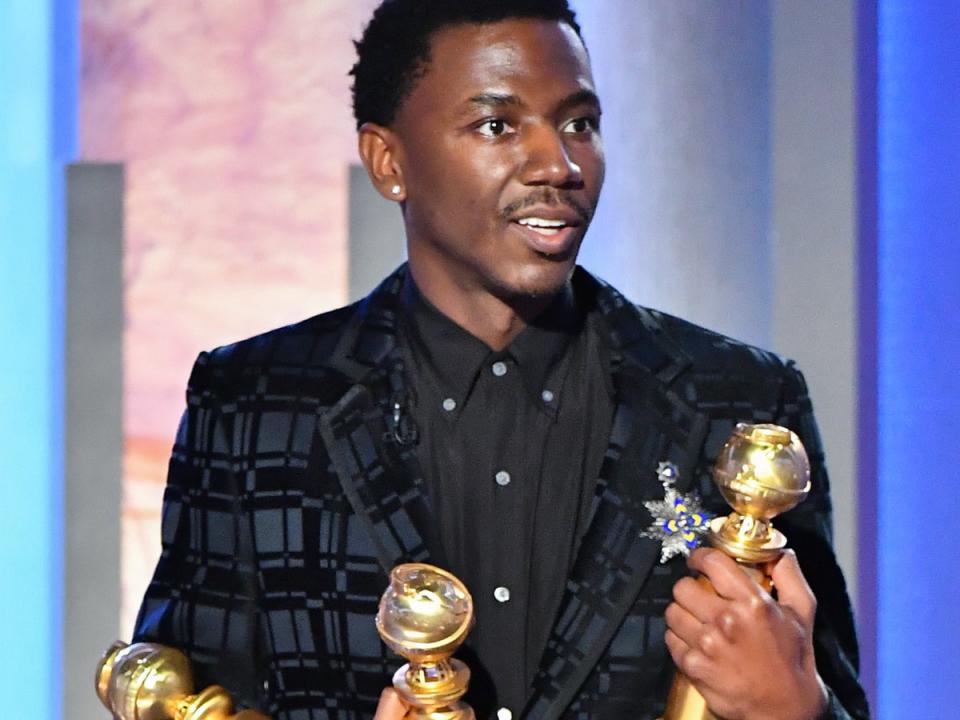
(457, 711)
(433, 691)
(747, 551)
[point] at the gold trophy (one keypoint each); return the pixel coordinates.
(762, 471)
(424, 616)
(147, 681)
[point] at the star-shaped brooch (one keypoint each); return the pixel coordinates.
(678, 520)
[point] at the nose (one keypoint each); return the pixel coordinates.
(548, 160)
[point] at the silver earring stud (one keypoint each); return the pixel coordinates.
(396, 189)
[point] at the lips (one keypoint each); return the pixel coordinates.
(548, 229)
(553, 240)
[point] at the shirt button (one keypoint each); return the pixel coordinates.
(504, 714)
(449, 404)
(502, 594)
(547, 396)
(502, 478)
(499, 368)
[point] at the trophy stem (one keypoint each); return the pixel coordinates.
(685, 702)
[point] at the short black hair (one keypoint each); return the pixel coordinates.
(394, 51)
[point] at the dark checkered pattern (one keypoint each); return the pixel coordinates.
(289, 499)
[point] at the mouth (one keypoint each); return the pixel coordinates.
(548, 233)
(543, 226)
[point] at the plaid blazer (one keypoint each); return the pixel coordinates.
(289, 499)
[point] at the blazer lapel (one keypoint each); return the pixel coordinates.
(651, 424)
(368, 439)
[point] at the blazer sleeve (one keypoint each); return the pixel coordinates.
(203, 597)
(809, 532)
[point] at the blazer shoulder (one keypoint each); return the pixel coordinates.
(303, 347)
(712, 351)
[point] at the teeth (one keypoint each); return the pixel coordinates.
(542, 223)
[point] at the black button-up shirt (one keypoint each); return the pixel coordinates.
(510, 443)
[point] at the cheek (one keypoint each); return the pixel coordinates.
(456, 185)
(593, 163)
(473, 191)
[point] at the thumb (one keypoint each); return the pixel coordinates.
(792, 588)
(390, 707)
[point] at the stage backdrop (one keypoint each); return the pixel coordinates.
(233, 123)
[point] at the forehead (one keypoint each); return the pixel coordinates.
(524, 56)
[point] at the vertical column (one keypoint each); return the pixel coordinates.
(37, 81)
(683, 221)
(731, 194)
(94, 424)
(813, 230)
(918, 355)
(867, 294)
(376, 242)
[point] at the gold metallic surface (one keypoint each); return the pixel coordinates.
(147, 681)
(685, 703)
(762, 471)
(424, 616)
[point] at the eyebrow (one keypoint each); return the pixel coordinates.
(581, 97)
(483, 100)
(492, 100)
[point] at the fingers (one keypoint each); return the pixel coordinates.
(683, 623)
(390, 707)
(728, 579)
(698, 598)
(744, 651)
(792, 588)
(676, 647)
(710, 637)
(696, 662)
(727, 624)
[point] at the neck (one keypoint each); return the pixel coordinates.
(483, 314)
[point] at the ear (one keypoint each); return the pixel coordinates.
(380, 152)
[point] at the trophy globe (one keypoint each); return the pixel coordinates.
(424, 616)
(762, 471)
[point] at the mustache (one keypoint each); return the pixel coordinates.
(552, 197)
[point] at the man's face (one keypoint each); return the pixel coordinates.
(501, 157)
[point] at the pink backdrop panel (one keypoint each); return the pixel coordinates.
(233, 123)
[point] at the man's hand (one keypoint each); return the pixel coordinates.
(750, 656)
(390, 707)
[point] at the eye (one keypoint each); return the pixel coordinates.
(581, 125)
(494, 127)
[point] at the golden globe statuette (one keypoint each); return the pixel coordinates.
(424, 616)
(147, 681)
(762, 471)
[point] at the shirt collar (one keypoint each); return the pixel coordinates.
(455, 356)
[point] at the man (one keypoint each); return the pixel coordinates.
(494, 410)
